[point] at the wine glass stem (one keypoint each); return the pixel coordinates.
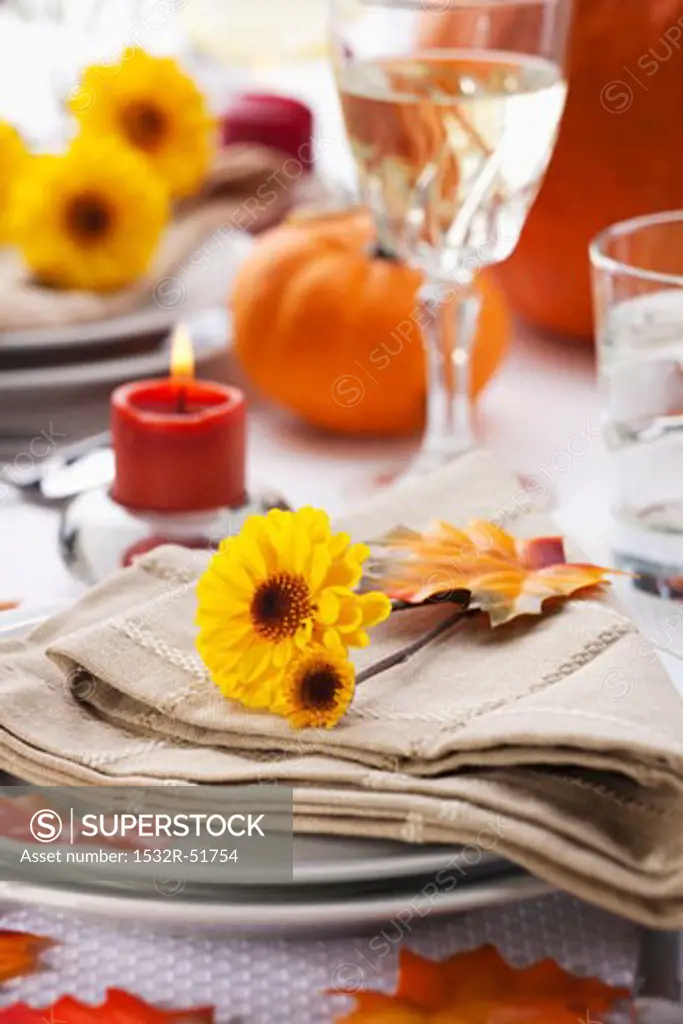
(449, 330)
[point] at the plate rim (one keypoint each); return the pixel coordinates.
(17, 383)
(91, 333)
(265, 918)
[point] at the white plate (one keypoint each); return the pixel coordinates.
(86, 336)
(326, 917)
(210, 334)
(149, 319)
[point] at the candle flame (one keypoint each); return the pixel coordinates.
(182, 355)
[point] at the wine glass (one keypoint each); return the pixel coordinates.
(451, 109)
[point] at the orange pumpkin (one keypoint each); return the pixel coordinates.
(322, 325)
(617, 155)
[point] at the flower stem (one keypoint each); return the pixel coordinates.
(460, 597)
(398, 657)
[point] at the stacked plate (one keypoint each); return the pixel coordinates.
(59, 380)
(339, 885)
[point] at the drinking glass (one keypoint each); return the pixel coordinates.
(637, 269)
(451, 109)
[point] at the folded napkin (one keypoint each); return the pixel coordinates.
(246, 190)
(509, 740)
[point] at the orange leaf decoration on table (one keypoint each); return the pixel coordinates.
(19, 953)
(479, 987)
(504, 576)
(119, 1007)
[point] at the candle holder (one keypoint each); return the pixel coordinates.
(98, 536)
(179, 472)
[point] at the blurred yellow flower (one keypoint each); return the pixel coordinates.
(271, 595)
(152, 104)
(13, 157)
(90, 218)
(316, 689)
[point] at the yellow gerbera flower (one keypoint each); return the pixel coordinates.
(152, 104)
(283, 584)
(90, 218)
(13, 157)
(316, 689)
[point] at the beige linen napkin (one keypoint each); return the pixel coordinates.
(245, 190)
(509, 740)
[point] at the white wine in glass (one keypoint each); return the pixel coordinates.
(451, 114)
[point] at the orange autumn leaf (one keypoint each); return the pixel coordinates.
(505, 577)
(119, 1007)
(479, 987)
(7, 606)
(19, 953)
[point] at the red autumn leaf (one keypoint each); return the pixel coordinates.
(505, 577)
(479, 987)
(119, 1007)
(19, 953)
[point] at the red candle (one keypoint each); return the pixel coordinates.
(278, 121)
(179, 443)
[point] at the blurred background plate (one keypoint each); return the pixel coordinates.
(209, 331)
(68, 402)
(133, 333)
(44, 346)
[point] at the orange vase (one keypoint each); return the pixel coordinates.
(618, 154)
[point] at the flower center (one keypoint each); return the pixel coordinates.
(280, 606)
(318, 687)
(89, 217)
(144, 124)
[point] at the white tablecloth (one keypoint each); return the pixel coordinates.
(283, 982)
(541, 415)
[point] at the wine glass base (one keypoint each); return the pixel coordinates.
(427, 461)
(419, 464)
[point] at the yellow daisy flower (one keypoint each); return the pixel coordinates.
(13, 158)
(152, 104)
(90, 218)
(316, 689)
(284, 583)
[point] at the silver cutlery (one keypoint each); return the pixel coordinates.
(73, 468)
